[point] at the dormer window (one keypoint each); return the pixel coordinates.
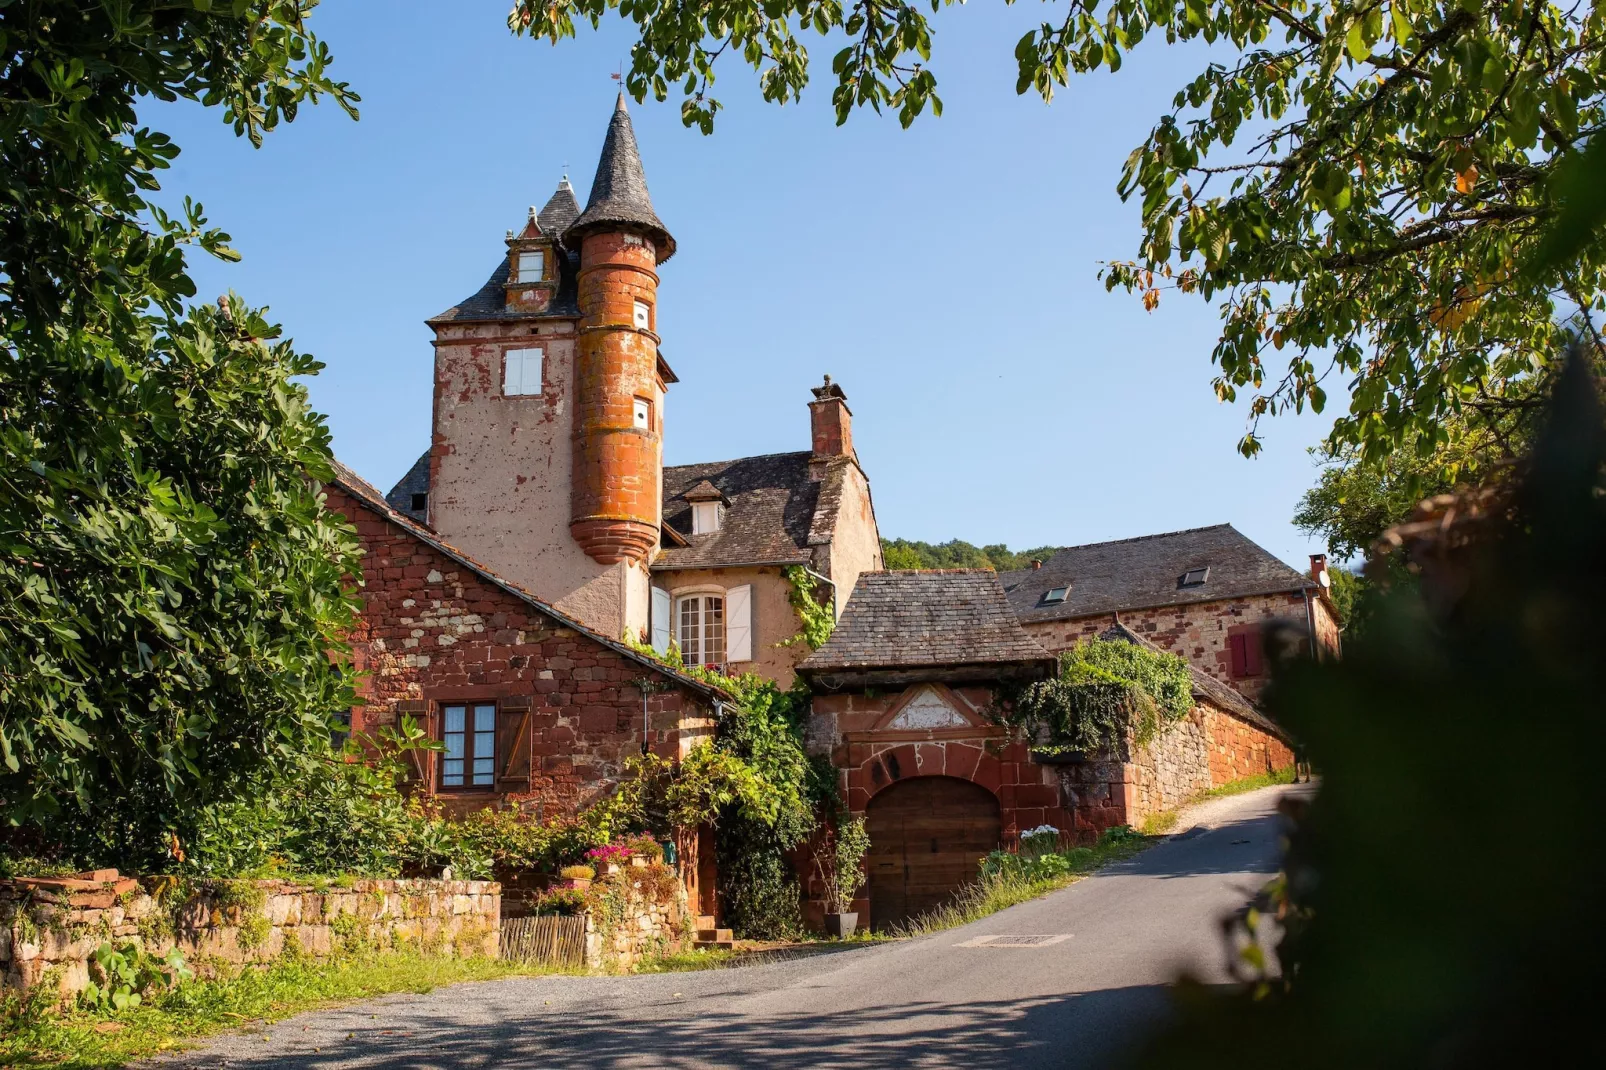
(532, 266)
(1055, 595)
(1194, 577)
(706, 517)
(643, 315)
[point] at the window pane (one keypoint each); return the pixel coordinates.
(484, 718)
(452, 773)
(454, 718)
(454, 745)
(713, 631)
(484, 770)
(689, 645)
(530, 266)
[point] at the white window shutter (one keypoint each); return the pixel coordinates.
(662, 612)
(739, 623)
(512, 365)
(521, 372)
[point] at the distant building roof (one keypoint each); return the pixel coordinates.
(777, 512)
(619, 192)
(416, 481)
(369, 495)
(904, 626)
(1153, 570)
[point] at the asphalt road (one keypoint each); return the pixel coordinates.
(1090, 985)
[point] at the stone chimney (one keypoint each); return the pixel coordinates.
(1318, 571)
(831, 422)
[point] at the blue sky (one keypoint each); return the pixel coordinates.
(945, 275)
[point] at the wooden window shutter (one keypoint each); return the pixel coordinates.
(739, 623)
(1240, 661)
(663, 611)
(1254, 654)
(513, 743)
(419, 768)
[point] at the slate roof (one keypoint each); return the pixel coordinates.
(489, 302)
(774, 516)
(927, 619)
(619, 192)
(416, 481)
(369, 495)
(1205, 686)
(1145, 572)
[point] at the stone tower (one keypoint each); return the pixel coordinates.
(618, 434)
(547, 458)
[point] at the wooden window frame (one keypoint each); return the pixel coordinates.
(701, 598)
(518, 264)
(470, 707)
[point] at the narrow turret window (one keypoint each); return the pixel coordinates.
(643, 414)
(532, 266)
(644, 315)
(521, 372)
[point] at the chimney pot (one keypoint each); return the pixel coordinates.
(1036, 565)
(1318, 570)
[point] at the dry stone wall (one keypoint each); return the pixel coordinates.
(640, 914)
(50, 927)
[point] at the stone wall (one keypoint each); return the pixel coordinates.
(1198, 631)
(570, 712)
(49, 927)
(642, 915)
(1206, 749)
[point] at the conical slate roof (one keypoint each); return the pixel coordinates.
(619, 192)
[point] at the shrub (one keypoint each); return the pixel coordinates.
(577, 873)
(564, 901)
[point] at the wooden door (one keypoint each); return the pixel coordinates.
(927, 837)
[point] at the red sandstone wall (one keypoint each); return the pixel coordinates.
(1198, 632)
(1238, 749)
(432, 632)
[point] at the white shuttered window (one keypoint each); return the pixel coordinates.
(661, 621)
(739, 623)
(521, 372)
(532, 266)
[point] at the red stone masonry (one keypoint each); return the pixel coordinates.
(1197, 631)
(435, 631)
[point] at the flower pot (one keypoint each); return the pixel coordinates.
(579, 884)
(610, 867)
(841, 926)
(639, 861)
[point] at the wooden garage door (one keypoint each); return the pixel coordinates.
(927, 836)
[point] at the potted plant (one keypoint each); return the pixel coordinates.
(839, 861)
(577, 877)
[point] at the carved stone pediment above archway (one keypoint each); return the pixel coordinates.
(929, 708)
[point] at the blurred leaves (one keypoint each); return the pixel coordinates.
(1441, 894)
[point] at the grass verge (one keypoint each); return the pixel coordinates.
(1004, 889)
(1163, 822)
(34, 1036)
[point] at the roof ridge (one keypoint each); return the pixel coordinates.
(733, 460)
(370, 496)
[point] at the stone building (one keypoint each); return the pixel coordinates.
(905, 696)
(546, 457)
(535, 708)
(1205, 593)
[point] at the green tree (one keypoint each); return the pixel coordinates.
(1360, 186)
(956, 553)
(171, 589)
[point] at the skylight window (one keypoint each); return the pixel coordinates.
(1194, 577)
(1056, 594)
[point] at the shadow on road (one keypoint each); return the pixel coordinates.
(1080, 1030)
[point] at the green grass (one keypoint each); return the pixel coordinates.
(33, 1037)
(990, 895)
(1251, 783)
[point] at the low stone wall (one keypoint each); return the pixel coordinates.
(638, 913)
(1206, 749)
(49, 927)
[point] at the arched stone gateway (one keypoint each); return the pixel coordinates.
(927, 835)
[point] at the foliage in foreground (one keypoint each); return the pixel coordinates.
(171, 588)
(1362, 188)
(1106, 692)
(1405, 949)
(34, 1037)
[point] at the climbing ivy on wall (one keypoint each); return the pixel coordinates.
(1106, 692)
(818, 621)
